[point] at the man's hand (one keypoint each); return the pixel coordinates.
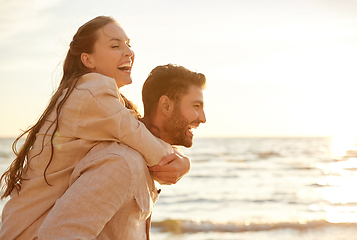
(171, 168)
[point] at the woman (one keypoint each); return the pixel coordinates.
(86, 109)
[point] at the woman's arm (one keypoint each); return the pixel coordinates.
(101, 116)
(171, 168)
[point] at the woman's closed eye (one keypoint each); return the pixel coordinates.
(118, 46)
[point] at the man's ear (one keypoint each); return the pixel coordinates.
(87, 60)
(166, 105)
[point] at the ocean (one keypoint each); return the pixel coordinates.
(257, 188)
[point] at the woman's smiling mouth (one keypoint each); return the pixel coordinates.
(126, 67)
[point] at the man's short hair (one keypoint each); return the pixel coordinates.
(170, 80)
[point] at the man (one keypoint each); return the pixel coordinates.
(173, 106)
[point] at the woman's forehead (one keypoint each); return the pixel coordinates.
(112, 31)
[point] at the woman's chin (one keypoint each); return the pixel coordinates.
(122, 82)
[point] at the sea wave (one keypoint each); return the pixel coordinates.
(191, 226)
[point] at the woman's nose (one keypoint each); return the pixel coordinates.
(128, 52)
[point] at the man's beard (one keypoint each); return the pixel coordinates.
(176, 127)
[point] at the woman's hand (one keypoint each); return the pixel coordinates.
(171, 168)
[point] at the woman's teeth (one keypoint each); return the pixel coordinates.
(125, 67)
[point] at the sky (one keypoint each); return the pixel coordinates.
(273, 68)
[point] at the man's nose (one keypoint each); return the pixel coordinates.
(202, 117)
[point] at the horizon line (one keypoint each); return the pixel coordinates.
(234, 136)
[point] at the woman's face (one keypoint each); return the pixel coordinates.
(112, 55)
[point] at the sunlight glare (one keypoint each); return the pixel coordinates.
(339, 187)
(341, 214)
(342, 143)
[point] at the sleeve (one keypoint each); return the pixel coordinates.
(90, 202)
(104, 118)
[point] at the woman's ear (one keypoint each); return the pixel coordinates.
(87, 60)
(166, 105)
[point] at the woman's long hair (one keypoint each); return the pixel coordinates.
(73, 68)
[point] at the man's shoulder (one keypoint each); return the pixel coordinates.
(133, 157)
(114, 155)
(118, 152)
